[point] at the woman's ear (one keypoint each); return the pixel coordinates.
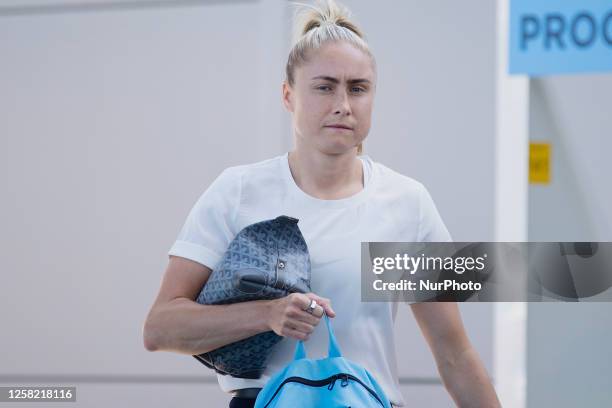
(287, 96)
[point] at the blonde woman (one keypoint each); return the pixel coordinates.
(341, 198)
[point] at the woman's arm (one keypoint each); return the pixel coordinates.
(462, 372)
(177, 323)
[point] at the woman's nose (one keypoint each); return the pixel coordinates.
(343, 107)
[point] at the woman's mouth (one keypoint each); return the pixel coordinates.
(339, 127)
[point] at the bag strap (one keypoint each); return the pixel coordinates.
(333, 351)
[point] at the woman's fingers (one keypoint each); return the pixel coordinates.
(323, 302)
(291, 317)
(300, 326)
(307, 317)
(289, 332)
(317, 311)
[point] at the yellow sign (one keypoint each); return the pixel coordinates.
(539, 163)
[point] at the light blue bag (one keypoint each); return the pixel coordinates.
(330, 382)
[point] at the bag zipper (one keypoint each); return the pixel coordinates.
(329, 381)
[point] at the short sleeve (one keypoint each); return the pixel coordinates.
(210, 225)
(431, 226)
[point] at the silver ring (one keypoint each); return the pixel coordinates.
(311, 308)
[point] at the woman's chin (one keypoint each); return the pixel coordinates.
(337, 149)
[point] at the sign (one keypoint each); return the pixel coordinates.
(560, 37)
(539, 163)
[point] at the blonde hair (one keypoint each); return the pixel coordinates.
(315, 25)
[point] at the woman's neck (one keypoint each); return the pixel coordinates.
(327, 177)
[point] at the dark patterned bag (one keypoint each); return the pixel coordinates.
(266, 260)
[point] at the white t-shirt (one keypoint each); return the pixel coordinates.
(391, 207)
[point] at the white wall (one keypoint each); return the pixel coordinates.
(115, 119)
(113, 123)
(573, 114)
(568, 347)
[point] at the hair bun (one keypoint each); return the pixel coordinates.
(326, 12)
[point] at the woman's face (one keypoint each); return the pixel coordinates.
(332, 98)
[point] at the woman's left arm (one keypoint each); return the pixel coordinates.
(462, 372)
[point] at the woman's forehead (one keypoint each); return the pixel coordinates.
(339, 60)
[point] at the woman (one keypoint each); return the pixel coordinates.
(341, 198)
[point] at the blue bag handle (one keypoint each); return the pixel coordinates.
(333, 351)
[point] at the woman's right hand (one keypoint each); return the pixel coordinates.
(288, 316)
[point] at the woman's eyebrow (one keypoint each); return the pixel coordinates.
(337, 81)
(326, 78)
(359, 81)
